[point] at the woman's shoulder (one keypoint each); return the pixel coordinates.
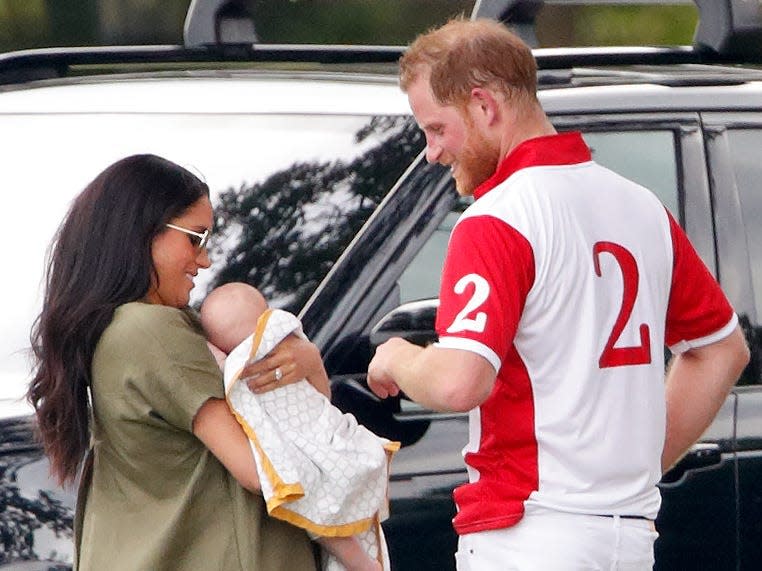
(138, 324)
(149, 316)
(153, 356)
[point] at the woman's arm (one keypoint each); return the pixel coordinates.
(297, 359)
(220, 432)
(215, 425)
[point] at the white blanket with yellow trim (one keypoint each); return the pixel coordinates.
(318, 468)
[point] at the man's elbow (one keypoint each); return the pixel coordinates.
(452, 380)
(738, 348)
(743, 355)
(736, 356)
(459, 403)
(462, 397)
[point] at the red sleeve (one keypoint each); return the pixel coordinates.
(697, 305)
(488, 272)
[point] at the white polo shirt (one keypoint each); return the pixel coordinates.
(570, 280)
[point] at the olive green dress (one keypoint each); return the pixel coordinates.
(158, 499)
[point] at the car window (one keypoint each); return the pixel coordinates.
(647, 157)
(745, 145)
(289, 190)
(421, 278)
(283, 231)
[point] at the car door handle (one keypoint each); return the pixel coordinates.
(700, 455)
(411, 411)
(428, 415)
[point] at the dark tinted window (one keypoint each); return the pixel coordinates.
(421, 279)
(745, 145)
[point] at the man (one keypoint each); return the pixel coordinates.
(561, 286)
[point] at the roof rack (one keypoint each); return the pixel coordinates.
(730, 31)
(728, 28)
(524, 11)
(519, 15)
(49, 63)
(732, 27)
(214, 22)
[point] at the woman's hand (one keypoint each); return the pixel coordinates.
(290, 361)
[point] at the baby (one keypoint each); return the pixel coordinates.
(318, 468)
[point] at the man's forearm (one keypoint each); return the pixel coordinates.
(439, 379)
(407, 369)
(696, 387)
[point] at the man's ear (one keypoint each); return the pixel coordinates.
(484, 105)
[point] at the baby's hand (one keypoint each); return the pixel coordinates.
(375, 566)
(367, 564)
(363, 563)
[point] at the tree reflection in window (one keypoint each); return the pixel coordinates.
(283, 234)
(35, 520)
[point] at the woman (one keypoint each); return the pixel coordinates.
(169, 478)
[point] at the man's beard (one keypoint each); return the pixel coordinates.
(477, 162)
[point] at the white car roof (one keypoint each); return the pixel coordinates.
(229, 93)
(315, 93)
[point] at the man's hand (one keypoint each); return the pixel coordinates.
(381, 378)
(438, 378)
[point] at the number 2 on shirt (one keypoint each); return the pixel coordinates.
(622, 356)
(480, 294)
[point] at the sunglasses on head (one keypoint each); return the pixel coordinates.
(198, 239)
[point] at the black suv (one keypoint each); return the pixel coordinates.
(324, 201)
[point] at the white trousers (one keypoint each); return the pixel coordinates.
(553, 541)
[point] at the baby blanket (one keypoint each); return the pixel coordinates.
(318, 468)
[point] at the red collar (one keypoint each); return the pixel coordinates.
(550, 150)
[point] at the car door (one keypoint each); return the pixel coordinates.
(697, 523)
(361, 288)
(733, 147)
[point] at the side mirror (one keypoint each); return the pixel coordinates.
(413, 321)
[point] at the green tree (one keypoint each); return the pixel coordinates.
(632, 25)
(36, 23)
(23, 23)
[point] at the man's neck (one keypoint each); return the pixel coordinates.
(524, 125)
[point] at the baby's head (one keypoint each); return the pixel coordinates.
(229, 314)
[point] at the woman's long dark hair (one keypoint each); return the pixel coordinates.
(99, 260)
